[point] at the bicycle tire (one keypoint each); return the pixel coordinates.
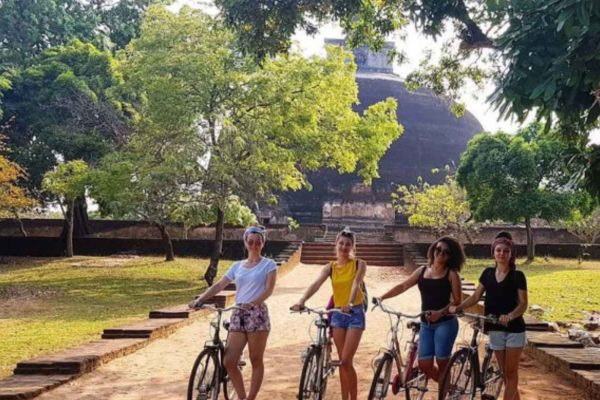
(310, 388)
(204, 382)
(381, 378)
(491, 376)
(415, 386)
(459, 385)
(228, 389)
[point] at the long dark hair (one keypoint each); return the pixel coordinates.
(513, 250)
(456, 258)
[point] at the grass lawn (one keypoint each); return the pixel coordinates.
(51, 304)
(562, 287)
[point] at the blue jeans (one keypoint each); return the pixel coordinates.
(437, 339)
(356, 319)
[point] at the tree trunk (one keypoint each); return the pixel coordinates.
(530, 241)
(21, 225)
(167, 243)
(211, 271)
(69, 220)
(81, 225)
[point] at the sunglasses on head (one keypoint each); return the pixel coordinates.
(442, 251)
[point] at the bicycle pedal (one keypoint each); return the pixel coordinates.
(242, 363)
(335, 363)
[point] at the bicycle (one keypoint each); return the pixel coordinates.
(409, 376)
(317, 363)
(463, 376)
(208, 372)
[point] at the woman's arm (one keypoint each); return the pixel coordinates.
(313, 287)
(361, 270)
(210, 292)
(519, 309)
(404, 286)
(271, 279)
(469, 301)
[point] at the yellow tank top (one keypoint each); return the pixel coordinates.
(342, 279)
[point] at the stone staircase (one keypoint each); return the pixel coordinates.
(381, 254)
(413, 257)
(363, 234)
(286, 253)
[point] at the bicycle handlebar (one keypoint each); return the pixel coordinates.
(309, 310)
(217, 309)
(378, 303)
(487, 318)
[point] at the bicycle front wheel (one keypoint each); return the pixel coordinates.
(458, 382)
(310, 380)
(381, 378)
(204, 379)
(491, 377)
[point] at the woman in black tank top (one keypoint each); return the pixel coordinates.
(439, 285)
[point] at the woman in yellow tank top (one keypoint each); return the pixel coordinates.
(346, 274)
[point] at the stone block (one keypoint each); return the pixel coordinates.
(24, 387)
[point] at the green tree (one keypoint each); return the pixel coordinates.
(264, 127)
(68, 181)
(70, 106)
(195, 215)
(30, 27)
(516, 178)
(442, 208)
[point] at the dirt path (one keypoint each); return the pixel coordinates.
(160, 371)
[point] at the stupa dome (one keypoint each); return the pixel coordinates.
(433, 137)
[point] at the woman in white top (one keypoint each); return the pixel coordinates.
(255, 279)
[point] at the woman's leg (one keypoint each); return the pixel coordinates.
(427, 351)
(236, 341)
(257, 342)
(339, 338)
(512, 357)
(347, 361)
(443, 341)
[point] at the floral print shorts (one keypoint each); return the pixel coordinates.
(253, 320)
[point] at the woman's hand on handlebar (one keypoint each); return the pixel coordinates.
(297, 307)
(195, 304)
(433, 316)
(504, 319)
(454, 310)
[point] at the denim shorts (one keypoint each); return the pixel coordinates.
(437, 339)
(356, 319)
(500, 340)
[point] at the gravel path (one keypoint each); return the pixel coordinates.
(160, 371)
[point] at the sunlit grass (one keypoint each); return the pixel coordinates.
(562, 287)
(51, 304)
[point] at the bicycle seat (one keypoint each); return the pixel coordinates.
(226, 324)
(414, 325)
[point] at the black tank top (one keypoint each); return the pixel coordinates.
(435, 293)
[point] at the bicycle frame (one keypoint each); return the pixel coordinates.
(474, 348)
(393, 347)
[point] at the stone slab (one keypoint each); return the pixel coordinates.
(79, 360)
(24, 387)
(588, 381)
(534, 324)
(550, 339)
(568, 359)
(148, 329)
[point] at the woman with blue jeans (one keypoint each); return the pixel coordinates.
(505, 291)
(439, 285)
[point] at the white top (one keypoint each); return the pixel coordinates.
(250, 282)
